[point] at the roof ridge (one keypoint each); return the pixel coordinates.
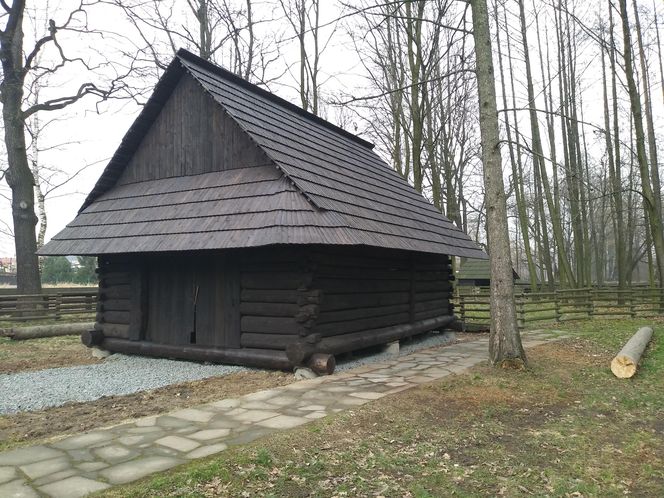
(275, 163)
(188, 56)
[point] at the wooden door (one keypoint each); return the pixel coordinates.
(171, 301)
(217, 302)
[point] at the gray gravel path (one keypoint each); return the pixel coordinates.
(122, 374)
(119, 374)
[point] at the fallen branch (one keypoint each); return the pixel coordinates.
(625, 363)
(38, 331)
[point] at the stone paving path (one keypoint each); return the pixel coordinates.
(78, 465)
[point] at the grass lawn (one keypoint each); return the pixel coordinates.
(564, 427)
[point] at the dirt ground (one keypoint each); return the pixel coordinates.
(38, 354)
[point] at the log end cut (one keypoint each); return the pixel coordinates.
(625, 363)
(623, 367)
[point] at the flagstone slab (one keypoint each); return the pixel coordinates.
(58, 476)
(84, 440)
(73, 487)
(45, 467)
(138, 468)
(17, 489)
(283, 422)
(193, 415)
(209, 434)
(31, 454)
(178, 443)
(205, 451)
(7, 474)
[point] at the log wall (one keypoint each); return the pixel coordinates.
(317, 299)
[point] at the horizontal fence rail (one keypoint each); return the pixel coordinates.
(49, 305)
(473, 308)
(564, 304)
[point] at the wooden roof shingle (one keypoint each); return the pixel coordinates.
(324, 186)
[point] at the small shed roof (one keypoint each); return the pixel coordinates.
(477, 269)
(324, 186)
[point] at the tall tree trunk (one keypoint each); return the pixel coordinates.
(505, 348)
(615, 187)
(538, 156)
(517, 169)
(18, 175)
(650, 205)
(650, 127)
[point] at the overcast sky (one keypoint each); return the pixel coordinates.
(83, 138)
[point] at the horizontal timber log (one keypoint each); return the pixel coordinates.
(267, 341)
(91, 338)
(363, 273)
(358, 313)
(299, 352)
(438, 304)
(322, 363)
(350, 286)
(116, 279)
(421, 315)
(272, 325)
(275, 280)
(337, 302)
(115, 292)
(275, 266)
(432, 286)
(114, 305)
(120, 317)
(432, 296)
(261, 358)
(625, 363)
(269, 309)
(38, 331)
(340, 328)
(280, 296)
(374, 261)
(114, 269)
(113, 329)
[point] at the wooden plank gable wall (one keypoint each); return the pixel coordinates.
(191, 135)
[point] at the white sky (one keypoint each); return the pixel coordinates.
(92, 138)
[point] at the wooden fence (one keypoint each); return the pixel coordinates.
(559, 305)
(73, 303)
(566, 304)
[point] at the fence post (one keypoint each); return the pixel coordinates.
(462, 308)
(57, 301)
(520, 311)
(556, 304)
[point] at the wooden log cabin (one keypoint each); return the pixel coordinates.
(232, 226)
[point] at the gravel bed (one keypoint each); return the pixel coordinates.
(124, 374)
(408, 346)
(117, 375)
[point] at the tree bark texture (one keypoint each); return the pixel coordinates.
(19, 176)
(505, 348)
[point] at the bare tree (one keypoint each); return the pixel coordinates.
(18, 68)
(505, 348)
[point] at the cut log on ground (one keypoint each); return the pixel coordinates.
(625, 363)
(322, 364)
(39, 331)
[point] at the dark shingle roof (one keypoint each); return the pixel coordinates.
(326, 186)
